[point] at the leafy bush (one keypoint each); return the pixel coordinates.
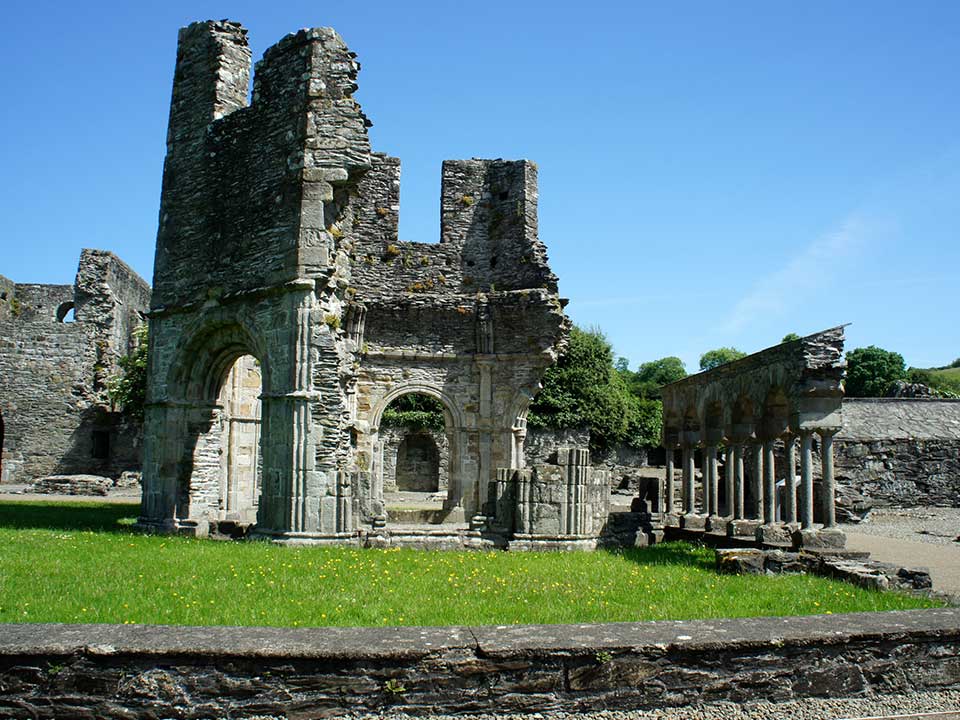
(128, 388)
(420, 412)
(651, 376)
(585, 389)
(872, 370)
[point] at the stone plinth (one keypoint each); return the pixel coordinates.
(820, 539)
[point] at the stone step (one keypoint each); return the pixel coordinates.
(424, 516)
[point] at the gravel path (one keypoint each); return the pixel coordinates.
(945, 703)
(930, 525)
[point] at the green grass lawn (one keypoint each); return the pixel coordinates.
(79, 562)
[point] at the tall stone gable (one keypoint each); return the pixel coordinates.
(278, 240)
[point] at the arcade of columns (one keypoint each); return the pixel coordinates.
(787, 393)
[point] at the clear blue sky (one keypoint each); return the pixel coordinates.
(710, 173)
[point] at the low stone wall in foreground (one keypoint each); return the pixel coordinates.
(49, 671)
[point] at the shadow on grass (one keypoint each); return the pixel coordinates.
(668, 553)
(102, 517)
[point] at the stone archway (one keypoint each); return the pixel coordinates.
(448, 452)
(210, 459)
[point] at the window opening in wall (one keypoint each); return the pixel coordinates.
(66, 313)
(100, 445)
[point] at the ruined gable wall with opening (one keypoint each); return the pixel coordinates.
(278, 238)
(57, 417)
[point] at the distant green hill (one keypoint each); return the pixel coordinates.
(947, 379)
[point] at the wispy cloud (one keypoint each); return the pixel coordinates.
(816, 266)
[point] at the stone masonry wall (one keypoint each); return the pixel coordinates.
(392, 438)
(625, 465)
(56, 415)
(901, 452)
(54, 671)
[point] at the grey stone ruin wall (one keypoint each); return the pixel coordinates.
(542, 444)
(248, 262)
(393, 437)
(53, 390)
(544, 504)
(901, 452)
(58, 671)
(626, 467)
(277, 239)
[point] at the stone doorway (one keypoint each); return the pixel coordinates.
(240, 420)
(415, 462)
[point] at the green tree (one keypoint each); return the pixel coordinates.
(790, 337)
(585, 389)
(721, 356)
(128, 388)
(645, 427)
(872, 370)
(653, 375)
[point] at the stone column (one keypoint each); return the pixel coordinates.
(712, 480)
(705, 480)
(690, 519)
(830, 537)
(757, 453)
(771, 531)
(738, 451)
(730, 482)
(789, 489)
(829, 485)
(745, 520)
(769, 484)
(806, 480)
(668, 496)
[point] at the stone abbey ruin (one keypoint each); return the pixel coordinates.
(285, 308)
(58, 346)
(286, 317)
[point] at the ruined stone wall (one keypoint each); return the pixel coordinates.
(277, 239)
(541, 444)
(56, 416)
(56, 671)
(901, 452)
(542, 505)
(392, 439)
(733, 399)
(625, 466)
